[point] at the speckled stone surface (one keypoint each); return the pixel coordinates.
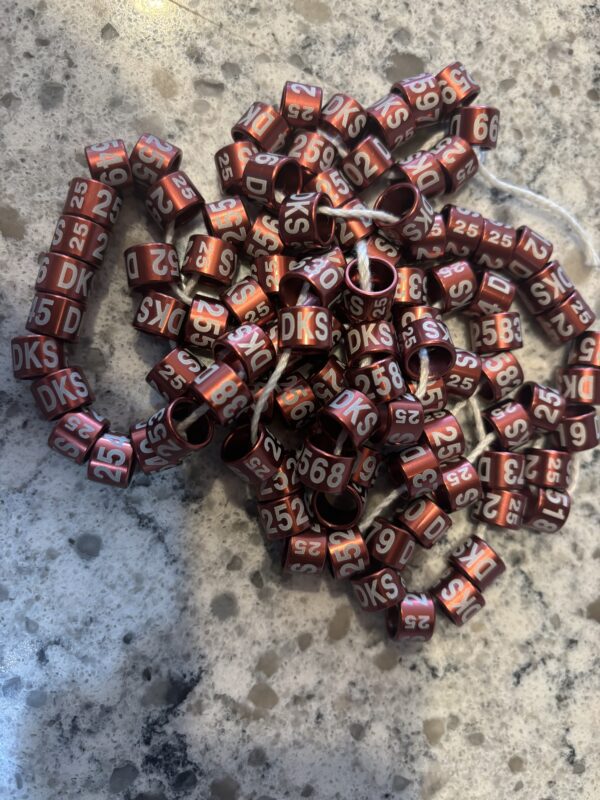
(150, 649)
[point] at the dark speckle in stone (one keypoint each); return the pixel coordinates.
(593, 94)
(36, 698)
(51, 95)
(224, 606)
(507, 84)
(231, 70)
(256, 579)
(476, 738)
(339, 624)
(257, 757)
(578, 767)
(150, 796)
(307, 791)
(593, 610)
(399, 783)
(262, 696)
(210, 88)
(12, 225)
(41, 41)
(128, 638)
(516, 764)
(9, 100)
(122, 777)
(304, 640)
(357, 731)
(226, 788)
(12, 686)
(185, 781)
(402, 35)
(109, 32)
(403, 65)
(234, 563)
(88, 545)
(3, 593)
(147, 674)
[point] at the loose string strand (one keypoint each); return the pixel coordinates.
(382, 506)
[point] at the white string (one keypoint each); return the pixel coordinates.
(191, 418)
(591, 256)
(170, 233)
(575, 473)
(464, 403)
(477, 416)
(339, 444)
(481, 447)
(382, 506)
(423, 373)
(361, 212)
(362, 260)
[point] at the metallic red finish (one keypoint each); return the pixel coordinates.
(321, 468)
(269, 178)
(376, 304)
(546, 289)
(464, 229)
(579, 429)
(108, 163)
(301, 104)
(366, 466)
(444, 435)
(252, 462)
(547, 510)
(342, 118)
(417, 468)
(433, 335)
(269, 270)
(64, 276)
(348, 554)
(412, 209)
(151, 264)
(367, 162)
(284, 517)
(80, 238)
(424, 172)
(585, 350)
(302, 226)
(463, 378)
(332, 183)
(478, 562)
(503, 508)
(223, 391)
(112, 461)
(457, 86)
(60, 391)
(495, 333)
(405, 316)
(389, 544)
(210, 259)
(151, 158)
(328, 381)
(378, 590)
(494, 295)
(580, 384)
(458, 161)
(339, 511)
(231, 161)
(432, 246)
(545, 405)
(248, 303)
(500, 375)
(391, 119)
(306, 552)
(500, 469)
(370, 339)
(400, 421)
(459, 486)
(59, 317)
(206, 321)
(305, 328)
(74, 434)
(451, 285)
(410, 289)
(496, 246)
(312, 152)
(426, 521)
(350, 231)
(263, 238)
(457, 597)
(323, 273)
(146, 459)
(165, 438)
(478, 125)
(93, 200)
(510, 422)
(569, 319)
(248, 349)
(173, 198)
(413, 619)
(531, 254)
(173, 375)
(296, 402)
(283, 481)
(228, 219)
(161, 315)
(262, 125)
(353, 412)
(34, 356)
(423, 94)
(381, 380)
(379, 247)
(549, 469)
(435, 397)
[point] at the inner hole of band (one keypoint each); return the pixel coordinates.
(440, 361)
(199, 433)
(341, 510)
(238, 444)
(287, 181)
(383, 275)
(398, 200)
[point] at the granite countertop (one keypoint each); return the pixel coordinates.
(150, 648)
